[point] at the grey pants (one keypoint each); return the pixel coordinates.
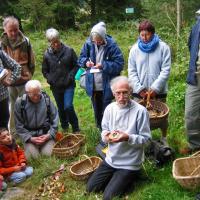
(192, 115)
(33, 151)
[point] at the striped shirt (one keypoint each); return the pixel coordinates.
(8, 63)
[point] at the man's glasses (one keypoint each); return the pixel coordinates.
(123, 93)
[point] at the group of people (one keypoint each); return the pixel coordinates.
(124, 123)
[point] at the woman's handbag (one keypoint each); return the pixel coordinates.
(79, 73)
(83, 80)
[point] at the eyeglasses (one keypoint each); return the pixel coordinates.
(123, 93)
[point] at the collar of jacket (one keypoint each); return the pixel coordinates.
(11, 146)
(5, 40)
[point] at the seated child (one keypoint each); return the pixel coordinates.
(12, 159)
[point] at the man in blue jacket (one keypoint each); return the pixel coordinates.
(103, 61)
(192, 97)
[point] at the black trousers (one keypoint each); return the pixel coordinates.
(99, 106)
(4, 113)
(113, 182)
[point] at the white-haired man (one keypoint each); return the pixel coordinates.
(18, 47)
(36, 120)
(125, 127)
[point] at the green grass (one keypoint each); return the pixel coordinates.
(157, 184)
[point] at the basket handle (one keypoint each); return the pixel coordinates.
(74, 135)
(195, 154)
(195, 170)
(87, 157)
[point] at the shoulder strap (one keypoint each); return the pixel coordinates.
(47, 101)
(29, 52)
(23, 111)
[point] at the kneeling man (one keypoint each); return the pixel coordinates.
(125, 127)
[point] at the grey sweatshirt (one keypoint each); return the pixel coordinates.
(36, 117)
(150, 70)
(133, 120)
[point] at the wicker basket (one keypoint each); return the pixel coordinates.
(82, 169)
(81, 138)
(186, 171)
(155, 122)
(68, 146)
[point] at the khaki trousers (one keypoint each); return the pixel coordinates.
(192, 115)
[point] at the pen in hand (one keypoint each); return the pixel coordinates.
(89, 63)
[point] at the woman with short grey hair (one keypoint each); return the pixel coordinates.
(59, 68)
(52, 34)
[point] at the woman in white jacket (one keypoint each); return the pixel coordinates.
(149, 67)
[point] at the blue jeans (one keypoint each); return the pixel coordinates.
(64, 101)
(18, 177)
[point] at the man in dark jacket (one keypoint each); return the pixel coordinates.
(192, 97)
(103, 61)
(59, 68)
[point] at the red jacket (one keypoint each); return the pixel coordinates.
(10, 156)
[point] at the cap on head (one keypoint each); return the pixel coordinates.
(99, 29)
(198, 12)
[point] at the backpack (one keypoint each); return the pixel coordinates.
(30, 66)
(160, 153)
(24, 101)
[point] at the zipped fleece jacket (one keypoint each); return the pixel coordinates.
(133, 120)
(22, 53)
(149, 70)
(10, 156)
(30, 125)
(112, 65)
(60, 68)
(193, 44)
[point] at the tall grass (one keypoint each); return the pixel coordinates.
(157, 184)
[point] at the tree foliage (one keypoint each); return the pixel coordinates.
(70, 13)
